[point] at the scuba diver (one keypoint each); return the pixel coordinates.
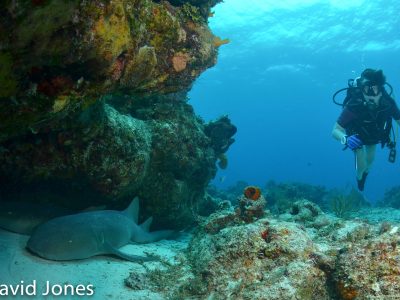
(366, 120)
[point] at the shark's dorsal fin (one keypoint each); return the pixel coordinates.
(146, 224)
(132, 211)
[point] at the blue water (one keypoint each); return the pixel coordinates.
(275, 80)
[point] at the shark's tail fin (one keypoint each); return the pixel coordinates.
(146, 224)
(154, 236)
(164, 235)
(130, 257)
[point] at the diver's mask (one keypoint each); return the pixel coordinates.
(371, 90)
(372, 94)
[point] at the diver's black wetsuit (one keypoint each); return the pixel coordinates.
(373, 126)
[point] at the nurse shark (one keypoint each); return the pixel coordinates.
(87, 234)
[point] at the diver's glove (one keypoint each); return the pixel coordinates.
(353, 141)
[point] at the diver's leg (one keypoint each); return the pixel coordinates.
(361, 162)
(365, 158)
(361, 167)
(369, 156)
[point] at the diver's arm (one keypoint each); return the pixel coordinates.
(339, 133)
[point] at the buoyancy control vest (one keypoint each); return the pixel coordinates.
(373, 126)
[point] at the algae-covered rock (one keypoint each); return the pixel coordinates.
(370, 270)
(307, 213)
(83, 49)
(156, 150)
(274, 259)
(93, 104)
(220, 132)
(261, 260)
(112, 155)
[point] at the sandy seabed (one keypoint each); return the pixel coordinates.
(104, 275)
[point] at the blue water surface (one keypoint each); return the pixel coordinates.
(276, 77)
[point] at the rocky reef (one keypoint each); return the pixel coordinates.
(303, 253)
(93, 104)
(391, 198)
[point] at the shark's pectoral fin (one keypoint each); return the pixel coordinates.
(134, 258)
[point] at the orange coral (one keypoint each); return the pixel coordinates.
(252, 192)
(219, 42)
(179, 61)
(347, 293)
